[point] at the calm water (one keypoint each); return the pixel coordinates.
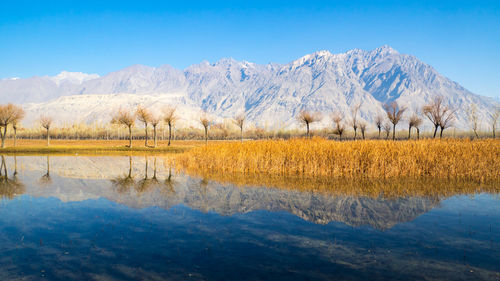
(121, 218)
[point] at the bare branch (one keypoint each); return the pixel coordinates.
(46, 121)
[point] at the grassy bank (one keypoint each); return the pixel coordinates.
(451, 159)
(28, 147)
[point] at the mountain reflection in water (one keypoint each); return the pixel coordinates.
(155, 186)
(337, 211)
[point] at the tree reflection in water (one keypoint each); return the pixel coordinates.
(46, 180)
(145, 183)
(9, 187)
(170, 183)
(123, 183)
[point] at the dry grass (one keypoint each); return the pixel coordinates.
(444, 159)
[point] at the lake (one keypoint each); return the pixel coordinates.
(136, 218)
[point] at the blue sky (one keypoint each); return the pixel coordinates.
(461, 39)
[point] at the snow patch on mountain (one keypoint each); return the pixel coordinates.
(73, 77)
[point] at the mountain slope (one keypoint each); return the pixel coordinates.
(271, 95)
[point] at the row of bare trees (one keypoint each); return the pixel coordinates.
(440, 115)
(437, 112)
(10, 115)
(146, 117)
(169, 117)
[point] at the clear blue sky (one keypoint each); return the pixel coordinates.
(461, 39)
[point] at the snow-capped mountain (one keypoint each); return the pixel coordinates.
(271, 95)
(75, 78)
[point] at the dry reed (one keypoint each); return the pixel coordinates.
(448, 158)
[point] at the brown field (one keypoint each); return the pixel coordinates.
(35, 146)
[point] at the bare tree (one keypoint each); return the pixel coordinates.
(155, 120)
(46, 122)
(446, 121)
(394, 113)
(436, 111)
(9, 114)
(170, 118)
(362, 128)
(387, 130)
(239, 120)
(205, 122)
(414, 121)
(19, 115)
(494, 120)
(125, 118)
(339, 126)
(354, 121)
(307, 118)
(473, 119)
(379, 120)
(144, 116)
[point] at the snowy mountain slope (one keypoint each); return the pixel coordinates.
(99, 108)
(42, 88)
(271, 95)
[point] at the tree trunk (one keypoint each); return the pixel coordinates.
(146, 130)
(307, 130)
(15, 135)
(48, 137)
(394, 132)
(435, 131)
(154, 136)
(441, 134)
(130, 136)
(418, 133)
(169, 133)
(340, 136)
(241, 134)
(2, 135)
(409, 132)
(206, 135)
(379, 129)
(363, 134)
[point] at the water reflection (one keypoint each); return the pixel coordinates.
(126, 218)
(45, 180)
(9, 186)
(125, 182)
(149, 181)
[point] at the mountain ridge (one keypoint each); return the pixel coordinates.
(271, 94)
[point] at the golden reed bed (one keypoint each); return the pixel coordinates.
(477, 160)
